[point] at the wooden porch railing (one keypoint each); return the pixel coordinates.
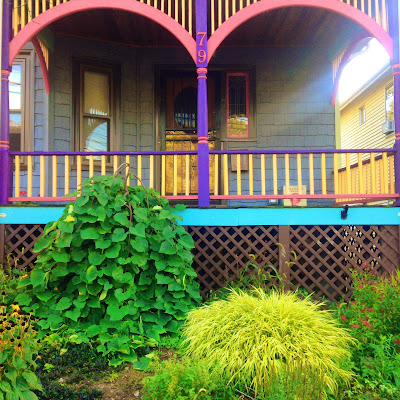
(183, 11)
(303, 174)
(50, 176)
(292, 175)
(222, 10)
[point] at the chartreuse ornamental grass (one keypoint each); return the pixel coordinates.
(274, 345)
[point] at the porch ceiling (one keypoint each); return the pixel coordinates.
(115, 26)
(294, 26)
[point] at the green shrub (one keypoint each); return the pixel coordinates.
(115, 268)
(373, 318)
(18, 346)
(271, 343)
(184, 380)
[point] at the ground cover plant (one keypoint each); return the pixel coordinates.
(18, 345)
(273, 345)
(115, 268)
(373, 318)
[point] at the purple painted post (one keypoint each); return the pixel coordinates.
(202, 106)
(396, 86)
(5, 171)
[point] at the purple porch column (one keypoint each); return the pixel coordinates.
(202, 106)
(5, 171)
(394, 30)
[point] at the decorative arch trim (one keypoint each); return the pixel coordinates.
(346, 56)
(74, 6)
(42, 62)
(335, 6)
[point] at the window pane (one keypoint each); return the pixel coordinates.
(15, 87)
(15, 141)
(238, 120)
(95, 134)
(15, 120)
(389, 103)
(96, 93)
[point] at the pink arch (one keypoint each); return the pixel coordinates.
(42, 62)
(75, 6)
(338, 7)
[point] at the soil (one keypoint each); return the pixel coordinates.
(126, 384)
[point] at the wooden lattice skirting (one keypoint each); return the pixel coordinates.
(315, 258)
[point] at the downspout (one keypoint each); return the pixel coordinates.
(5, 170)
(203, 155)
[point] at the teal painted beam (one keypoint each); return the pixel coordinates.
(235, 216)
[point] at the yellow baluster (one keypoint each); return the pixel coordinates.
(190, 17)
(216, 174)
(275, 173)
(212, 16)
(187, 175)
(54, 191)
(384, 16)
(233, 7)
(299, 174)
(348, 177)
(226, 9)
(219, 13)
(127, 160)
(162, 5)
(382, 176)
(323, 172)
(373, 174)
(17, 176)
(115, 159)
(176, 11)
(42, 176)
(169, 8)
(241, 4)
(239, 175)
(377, 13)
(183, 13)
(23, 10)
(391, 173)
(248, 2)
(336, 174)
(175, 181)
(139, 168)
(36, 8)
(15, 18)
(103, 165)
(287, 171)
(151, 172)
(66, 174)
(156, 4)
(30, 176)
(311, 169)
(361, 173)
(78, 172)
(163, 175)
(91, 166)
(363, 6)
(251, 175)
(263, 188)
(370, 8)
(226, 175)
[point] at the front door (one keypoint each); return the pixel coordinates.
(180, 132)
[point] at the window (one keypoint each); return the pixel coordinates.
(95, 108)
(362, 115)
(20, 103)
(389, 102)
(237, 105)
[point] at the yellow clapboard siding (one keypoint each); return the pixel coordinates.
(369, 134)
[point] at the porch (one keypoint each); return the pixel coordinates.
(236, 177)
